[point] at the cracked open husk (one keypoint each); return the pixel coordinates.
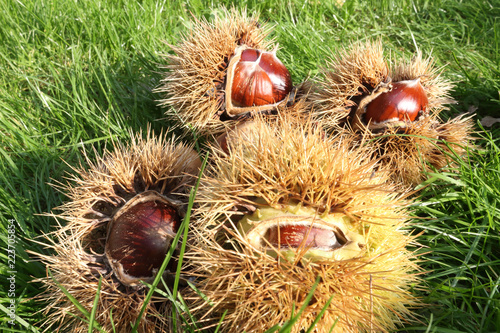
(357, 76)
(155, 168)
(196, 88)
(290, 181)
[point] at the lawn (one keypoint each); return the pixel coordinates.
(77, 75)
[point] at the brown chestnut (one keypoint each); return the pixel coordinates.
(282, 233)
(295, 236)
(139, 236)
(404, 102)
(255, 78)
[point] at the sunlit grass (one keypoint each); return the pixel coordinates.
(76, 74)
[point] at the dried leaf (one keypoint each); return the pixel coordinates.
(489, 121)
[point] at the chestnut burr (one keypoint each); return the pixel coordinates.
(123, 212)
(286, 207)
(225, 71)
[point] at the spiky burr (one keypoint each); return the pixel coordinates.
(122, 214)
(285, 206)
(396, 104)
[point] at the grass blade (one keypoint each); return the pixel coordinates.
(184, 226)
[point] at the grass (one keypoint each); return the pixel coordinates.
(77, 73)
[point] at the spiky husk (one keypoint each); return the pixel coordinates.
(95, 194)
(195, 75)
(424, 146)
(294, 162)
(247, 129)
(349, 80)
(78, 272)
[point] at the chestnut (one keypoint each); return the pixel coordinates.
(256, 80)
(225, 70)
(139, 236)
(404, 102)
(284, 233)
(296, 236)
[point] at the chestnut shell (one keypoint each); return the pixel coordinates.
(139, 236)
(404, 102)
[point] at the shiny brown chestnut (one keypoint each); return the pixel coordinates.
(139, 236)
(404, 102)
(256, 80)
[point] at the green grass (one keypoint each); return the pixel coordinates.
(76, 74)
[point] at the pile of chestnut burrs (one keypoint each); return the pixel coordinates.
(304, 202)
